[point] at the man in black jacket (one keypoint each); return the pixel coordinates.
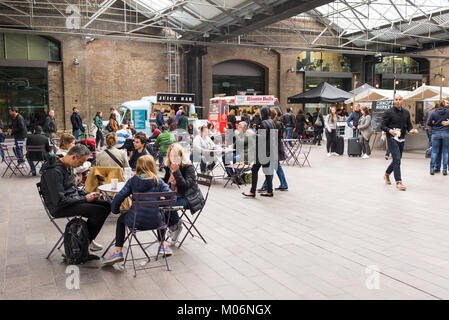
(50, 125)
(64, 199)
(396, 122)
(354, 117)
(288, 120)
(19, 132)
(318, 125)
(37, 139)
(266, 154)
(77, 124)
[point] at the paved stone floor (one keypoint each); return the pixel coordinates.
(315, 241)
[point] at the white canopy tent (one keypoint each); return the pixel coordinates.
(373, 94)
(427, 93)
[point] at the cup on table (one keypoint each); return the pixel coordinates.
(114, 184)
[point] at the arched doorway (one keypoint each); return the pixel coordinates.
(234, 77)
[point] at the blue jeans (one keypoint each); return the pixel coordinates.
(288, 132)
(18, 150)
(161, 157)
(354, 133)
(440, 150)
(77, 134)
(2, 153)
(174, 217)
(203, 164)
(396, 149)
(281, 176)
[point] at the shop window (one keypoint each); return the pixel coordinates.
(323, 61)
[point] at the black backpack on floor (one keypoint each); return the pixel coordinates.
(76, 241)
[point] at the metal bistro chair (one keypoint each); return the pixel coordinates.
(11, 159)
(166, 199)
(37, 154)
(306, 147)
(204, 180)
(60, 242)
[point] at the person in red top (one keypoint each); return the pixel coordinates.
(155, 130)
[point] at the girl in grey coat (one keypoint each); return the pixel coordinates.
(365, 132)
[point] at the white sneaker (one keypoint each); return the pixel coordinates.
(329, 154)
(365, 156)
(175, 235)
(335, 154)
(94, 246)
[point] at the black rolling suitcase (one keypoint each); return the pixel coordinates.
(354, 147)
(339, 145)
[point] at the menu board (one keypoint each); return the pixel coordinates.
(377, 111)
(139, 119)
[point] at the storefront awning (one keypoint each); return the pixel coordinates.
(323, 93)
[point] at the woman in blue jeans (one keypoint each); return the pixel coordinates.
(440, 137)
(180, 176)
(281, 156)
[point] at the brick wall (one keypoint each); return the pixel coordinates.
(109, 73)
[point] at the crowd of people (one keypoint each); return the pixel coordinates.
(66, 166)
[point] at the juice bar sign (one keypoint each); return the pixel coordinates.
(176, 98)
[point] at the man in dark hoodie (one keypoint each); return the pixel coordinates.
(64, 199)
(266, 155)
(440, 138)
(19, 132)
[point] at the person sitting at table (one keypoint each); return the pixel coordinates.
(155, 131)
(180, 176)
(147, 218)
(111, 156)
(163, 141)
(33, 140)
(213, 133)
(122, 134)
(64, 199)
(202, 144)
(66, 142)
(140, 141)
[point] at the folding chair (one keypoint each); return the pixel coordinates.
(238, 170)
(306, 147)
(11, 160)
(37, 154)
(293, 147)
(142, 200)
(52, 219)
(204, 180)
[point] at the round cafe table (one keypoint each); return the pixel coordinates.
(108, 192)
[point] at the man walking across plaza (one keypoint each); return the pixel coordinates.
(396, 122)
(288, 120)
(50, 125)
(19, 132)
(354, 117)
(318, 124)
(77, 123)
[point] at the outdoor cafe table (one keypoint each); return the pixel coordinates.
(108, 192)
(293, 148)
(219, 163)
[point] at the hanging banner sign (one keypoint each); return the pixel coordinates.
(254, 100)
(175, 98)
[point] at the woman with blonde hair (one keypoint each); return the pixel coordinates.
(111, 156)
(180, 176)
(232, 119)
(147, 218)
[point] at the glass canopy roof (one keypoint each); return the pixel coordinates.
(363, 15)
